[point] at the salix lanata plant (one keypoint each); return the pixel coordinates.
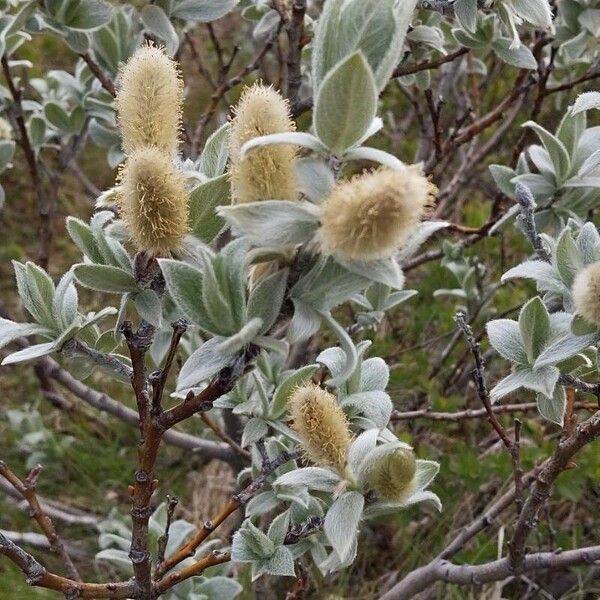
(224, 260)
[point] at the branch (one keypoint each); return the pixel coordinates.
(433, 63)
(104, 79)
(295, 33)
(26, 489)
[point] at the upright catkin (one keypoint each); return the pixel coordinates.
(149, 101)
(321, 424)
(152, 200)
(371, 215)
(265, 173)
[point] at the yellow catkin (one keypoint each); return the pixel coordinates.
(321, 424)
(393, 477)
(153, 201)
(371, 215)
(586, 293)
(265, 173)
(149, 101)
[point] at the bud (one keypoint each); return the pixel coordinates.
(371, 215)
(586, 293)
(393, 476)
(321, 424)
(149, 101)
(265, 173)
(153, 201)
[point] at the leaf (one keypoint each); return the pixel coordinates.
(375, 405)
(266, 299)
(585, 102)
(568, 257)
(564, 348)
(544, 273)
(536, 12)
(219, 588)
(521, 57)
(273, 222)
(7, 150)
(305, 322)
(86, 14)
(386, 271)
(555, 148)
(542, 380)
(505, 337)
(30, 353)
(295, 138)
(242, 338)
(553, 408)
(466, 13)
(213, 159)
(286, 387)
(250, 544)
(156, 22)
(315, 478)
(10, 331)
(315, 179)
(149, 306)
(374, 374)
(203, 11)
(254, 430)
(341, 522)
(64, 306)
(280, 563)
(374, 155)
(534, 325)
(346, 104)
(347, 345)
(202, 364)
(105, 278)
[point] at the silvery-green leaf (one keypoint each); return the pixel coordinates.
(149, 306)
(505, 337)
(536, 12)
(242, 338)
(542, 380)
(82, 236)
(218, 588)
(374, 155)
(385, 270)
(502, 176)
(334, 359)
(579, 326)
(184, 283)
(254, 430)
(466, 13)
(541, 186)
(564, 348)
(205, 362)
(279, 528)
(425, 473)
(7, 149)
(305, 322)
(266, 298)
(65, 300)
(314, 478)
(380, 509)
(347, 345)
(36, 291)
(346, 104)
(84, 14)
(570, 130)
(375, 455)
(156, 22)
(556, 149)
(250, 544)
(30, 353)
(280, 563)
(544, 273)
(213, 160)
(341, 522)
(203, 11)
(396, 298)
(10, 331)
(521, 57)
(585, 102)
(534, 325)
(287, 386)
(119, 558)
(568, 257)
(374, 375)
(375, 406)
(295, 138)
(315, 178)
(361, 447)
(105, 278)
(203, 201)
(273, 222)
(553, 407)
(420, 235)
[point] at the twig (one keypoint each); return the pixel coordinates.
(434, 63)
(164, 538)
(295, 31)
(104, 79)
(223, 436)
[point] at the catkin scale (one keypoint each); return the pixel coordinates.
(149, 101)
(321, 424)
(265, 173)
(393, 476)
(586, 293)
(371, 215)
(152, 200)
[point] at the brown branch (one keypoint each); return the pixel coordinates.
(223, 436)
(295, 32)
(434, 63)
(104, 79)
(26, 489)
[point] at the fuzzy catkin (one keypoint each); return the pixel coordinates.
(586, 293)
(153, 201)
(265, 173)
(149, 101)
(393, 476)
(371, 215)
(321, 424)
